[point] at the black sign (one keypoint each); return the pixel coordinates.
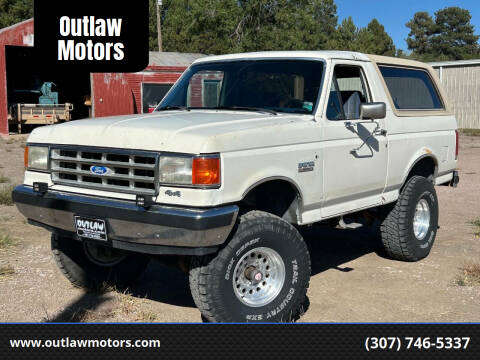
(232, 341)
(95, 229)
(93, 36)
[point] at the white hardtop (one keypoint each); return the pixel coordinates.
(316, 55)
(320, 55)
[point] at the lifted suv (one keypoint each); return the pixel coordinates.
(242, 151)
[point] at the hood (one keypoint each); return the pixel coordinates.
(195, 131)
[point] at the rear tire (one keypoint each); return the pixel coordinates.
(408, 231)
(261, 275)
(108, 266)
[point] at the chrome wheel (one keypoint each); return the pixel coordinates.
(258, 277)
(103, 255)
(421, 219)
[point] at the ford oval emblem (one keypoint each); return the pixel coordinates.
(98, 170)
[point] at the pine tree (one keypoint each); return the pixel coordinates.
(450, 36)
(454, 36)
(345, 36)
(374, 40)
(15, 11)
(421, 27)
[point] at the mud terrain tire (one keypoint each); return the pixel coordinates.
(261, 275)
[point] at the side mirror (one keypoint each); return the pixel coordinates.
(374, 110)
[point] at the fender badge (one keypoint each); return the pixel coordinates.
(173, 193)
(306, 166)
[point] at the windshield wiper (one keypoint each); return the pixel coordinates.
(246, 108)
(176, 107)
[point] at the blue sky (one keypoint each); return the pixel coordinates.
(394, 14)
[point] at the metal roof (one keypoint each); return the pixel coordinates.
(455, 63)
(11, 27)
(157, 58)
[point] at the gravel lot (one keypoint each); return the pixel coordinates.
(351, 280)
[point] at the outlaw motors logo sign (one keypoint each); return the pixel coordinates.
(93, 225)
(91, 228)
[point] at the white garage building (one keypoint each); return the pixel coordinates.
(461, 81)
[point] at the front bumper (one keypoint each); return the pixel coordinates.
(157, 230)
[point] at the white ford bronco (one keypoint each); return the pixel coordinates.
(241, 153)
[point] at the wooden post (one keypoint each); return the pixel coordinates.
(159, 24)
(19, 118)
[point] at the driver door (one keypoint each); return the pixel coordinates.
(355, 153)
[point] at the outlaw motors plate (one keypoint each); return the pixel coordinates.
(91, 228)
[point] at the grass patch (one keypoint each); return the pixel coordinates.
(125, 303)
(476, 224)
(6, 271)
(88, 316)
(4, 179)
(146, 316)
(5, 241)
(470, 275)
(6, 195)
(470, 132)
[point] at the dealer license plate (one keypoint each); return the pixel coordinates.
(91, 228)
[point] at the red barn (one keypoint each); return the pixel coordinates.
(92, 95)
(135, 93)
(20, 34)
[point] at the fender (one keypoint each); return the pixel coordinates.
(427, 153)
(271, 178)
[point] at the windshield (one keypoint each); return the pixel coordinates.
(290, 86)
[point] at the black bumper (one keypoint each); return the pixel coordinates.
(156, 230)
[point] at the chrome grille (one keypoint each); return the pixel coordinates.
(116, 170)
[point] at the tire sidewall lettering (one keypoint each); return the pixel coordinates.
(295, 275)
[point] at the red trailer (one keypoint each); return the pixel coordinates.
(92, 95)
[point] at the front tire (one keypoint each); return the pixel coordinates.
(91, 266)
(409, 229)
(261, 275)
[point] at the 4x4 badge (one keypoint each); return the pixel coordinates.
(173, 193)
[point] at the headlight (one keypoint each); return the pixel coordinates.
(175, 170)
(190, 170)
(36, 157)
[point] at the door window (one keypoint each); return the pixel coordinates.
(347, 91)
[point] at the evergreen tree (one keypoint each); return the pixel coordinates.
(345, 36)
(450, 36)
(216, 27)
(421, 27)
(374, 40)
(454, 36)
(205, 26)
(15, 11)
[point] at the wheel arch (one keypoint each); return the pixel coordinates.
(285, 187)
(424, 165)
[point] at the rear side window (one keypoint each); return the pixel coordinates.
(411, 89)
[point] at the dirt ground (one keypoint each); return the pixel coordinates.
(351, 280)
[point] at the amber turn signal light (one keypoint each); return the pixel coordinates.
(206, 171)
(25, 157)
